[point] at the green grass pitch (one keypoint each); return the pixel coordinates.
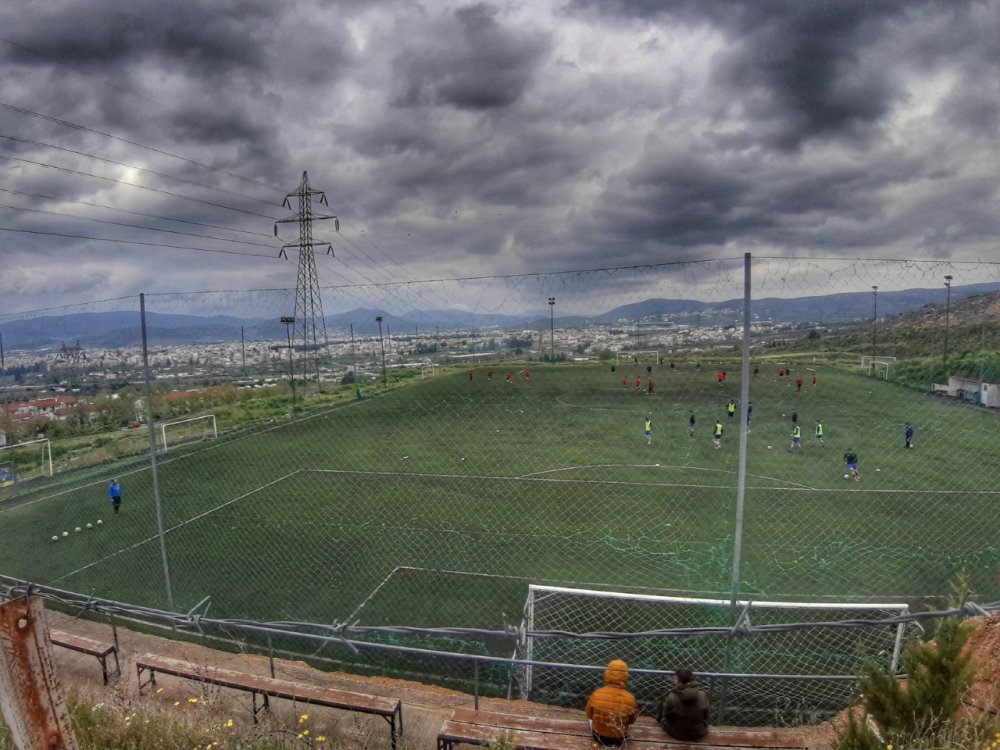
(436, 504)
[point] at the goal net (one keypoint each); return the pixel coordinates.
(880, 367)
(23, 461)
(640, 357)
(757, 669)
(191, 430)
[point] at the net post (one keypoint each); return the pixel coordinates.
(152, 450)
(741, 476)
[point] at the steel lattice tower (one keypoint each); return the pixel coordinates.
(310, 325)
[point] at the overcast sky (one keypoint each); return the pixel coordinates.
(460, 139)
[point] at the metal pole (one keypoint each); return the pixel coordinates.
(354, 361)
(741, 475)
(947, 321)
(3, 366)
(291, 367)
(874, 324)
(243, 346)
(381, 342)
(152, 452)
(552, 328)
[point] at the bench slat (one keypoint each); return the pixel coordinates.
(472, 726)
(270, 686)
(80, 643)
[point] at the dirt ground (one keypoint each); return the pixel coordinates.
(425, 707)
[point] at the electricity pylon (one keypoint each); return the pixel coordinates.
(310, 325)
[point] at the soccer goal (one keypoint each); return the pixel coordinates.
(879, 366)
(190, 430)
(586, 627)
(23, 461)
(641, 357)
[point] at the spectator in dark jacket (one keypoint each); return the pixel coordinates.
(612, 709)
(683, 712)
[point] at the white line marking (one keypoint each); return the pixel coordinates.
(175, 527)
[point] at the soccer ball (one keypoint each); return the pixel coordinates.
(769, 447)
(65, 533)
(99, 521)
(77, 529)
(90, 525)
(55, 538)
(847, 476)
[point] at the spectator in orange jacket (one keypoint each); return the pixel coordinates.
(612, 709)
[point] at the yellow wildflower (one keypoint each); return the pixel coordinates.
(229, 723)
(321, 738)
(195, 700)
(305, 732)
(303, 717)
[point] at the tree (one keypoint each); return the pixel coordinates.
(921, 709)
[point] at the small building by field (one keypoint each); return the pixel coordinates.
(972, 389)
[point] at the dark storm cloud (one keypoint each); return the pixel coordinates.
(509, 137)
(798, 70)
(469, 61)
(214, 34)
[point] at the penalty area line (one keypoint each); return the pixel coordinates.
(154, 537)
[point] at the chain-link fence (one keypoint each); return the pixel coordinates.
(457, 440)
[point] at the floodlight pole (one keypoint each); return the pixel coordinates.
(874, 321)
(289, 321)
(147, 376)
(552, 328)
(947, 321)
(381, 341)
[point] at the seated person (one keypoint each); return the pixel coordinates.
(612, 709)
(683, 712)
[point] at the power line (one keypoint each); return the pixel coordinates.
(69, 124)
(134, 226)
(137, 168)
(130, 242)
(58, 60)
(132, 184)
(132, 213)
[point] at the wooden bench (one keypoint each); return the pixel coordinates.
(88, 646)
(471, 727)
(268, 687)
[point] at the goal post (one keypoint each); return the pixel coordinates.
(28, 460)
(189, 430)
(879, 366)
(639, 356)
(568, 626)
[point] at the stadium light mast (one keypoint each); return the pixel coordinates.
(552, 328)
(874, 321)
(947, 321)
(289, 321)
(378, 319)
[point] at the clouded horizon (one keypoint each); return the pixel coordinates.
(476, 139)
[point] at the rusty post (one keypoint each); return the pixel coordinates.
(31, 697)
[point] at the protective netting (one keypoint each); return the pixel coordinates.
(428, 466)
(572, 619)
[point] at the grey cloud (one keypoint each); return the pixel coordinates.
(468, 61)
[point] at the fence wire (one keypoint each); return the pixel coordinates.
(460, 439)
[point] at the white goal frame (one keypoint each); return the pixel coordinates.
(871, 363)
(631, 354)
(165, 425)
(46, 446)
(536, 590)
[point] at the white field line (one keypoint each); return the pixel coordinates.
(213, 446)
(669, 466)
(531, 478)
(175, 527)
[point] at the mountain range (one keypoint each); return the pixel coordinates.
(111, 330)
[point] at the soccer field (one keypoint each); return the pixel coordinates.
(437, 504)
